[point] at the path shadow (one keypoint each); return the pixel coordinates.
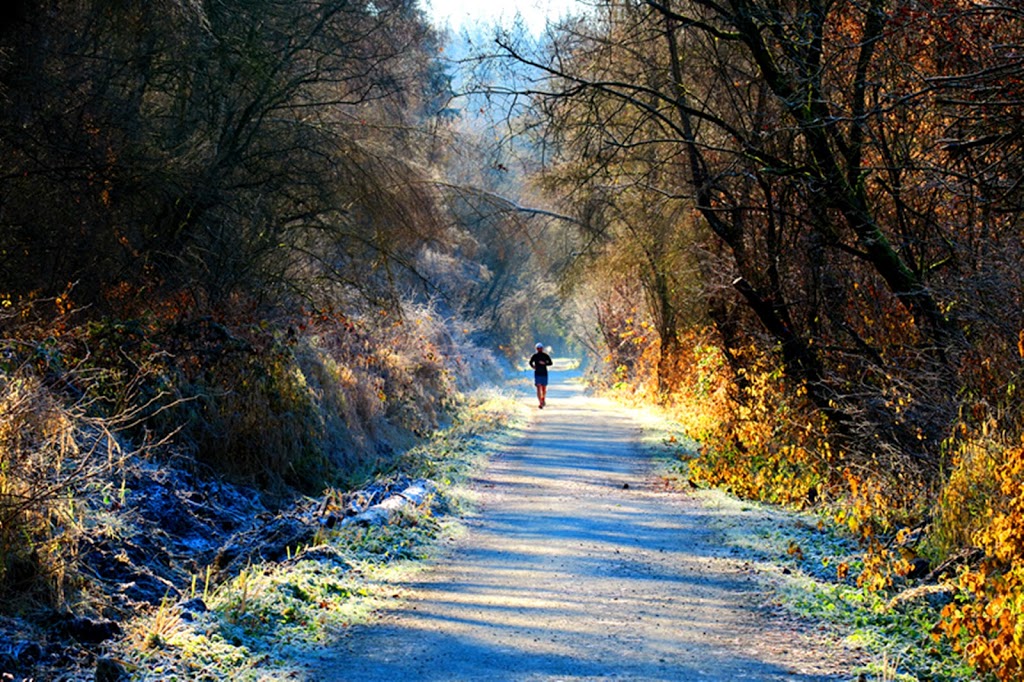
(576, 569)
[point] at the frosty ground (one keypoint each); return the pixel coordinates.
(580, 563)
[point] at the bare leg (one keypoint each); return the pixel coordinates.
(542, 394)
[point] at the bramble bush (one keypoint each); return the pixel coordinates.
(36, 446)
(746, 425)
(754, 451)
(57, 458)
(307, 399)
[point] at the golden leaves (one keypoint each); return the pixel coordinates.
(988, 629)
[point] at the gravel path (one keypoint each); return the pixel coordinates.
(578, 567)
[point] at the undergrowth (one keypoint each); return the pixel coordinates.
(56, 465)
(260, 624)
(242, 401)
(986, 623)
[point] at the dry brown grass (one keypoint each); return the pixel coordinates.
(50, 454)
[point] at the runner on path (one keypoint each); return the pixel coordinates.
(579, 565)
(540, 362)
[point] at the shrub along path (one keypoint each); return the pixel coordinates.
(579, 565)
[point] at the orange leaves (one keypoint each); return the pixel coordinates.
(1003, 539)
(870, 503)
(751, 444)
(879, 567)
(63, 302)
(988, 629)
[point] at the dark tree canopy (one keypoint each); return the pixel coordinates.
(224, 146)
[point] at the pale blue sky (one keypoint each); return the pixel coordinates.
(462, 13)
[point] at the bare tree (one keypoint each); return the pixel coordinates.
(813, 139)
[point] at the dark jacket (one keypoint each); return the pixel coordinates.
(540, 362)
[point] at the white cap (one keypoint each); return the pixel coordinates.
(540, 345)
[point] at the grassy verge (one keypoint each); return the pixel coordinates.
(260, 623)
(809, 566)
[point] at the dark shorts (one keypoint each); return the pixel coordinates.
(540, 379)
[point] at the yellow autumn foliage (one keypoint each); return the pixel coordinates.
(989, 628)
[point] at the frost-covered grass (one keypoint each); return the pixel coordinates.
(802, 556)
(810, 566)
(262, 623)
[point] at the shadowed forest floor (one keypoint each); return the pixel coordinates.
(579, 564)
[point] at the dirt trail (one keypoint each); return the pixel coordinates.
(578, 568)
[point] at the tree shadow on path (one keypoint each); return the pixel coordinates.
(577, 567)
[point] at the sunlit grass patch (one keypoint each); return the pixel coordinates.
(452, 456)
(260, 623)
(166, 646)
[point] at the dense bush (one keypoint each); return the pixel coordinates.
(327, 400)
